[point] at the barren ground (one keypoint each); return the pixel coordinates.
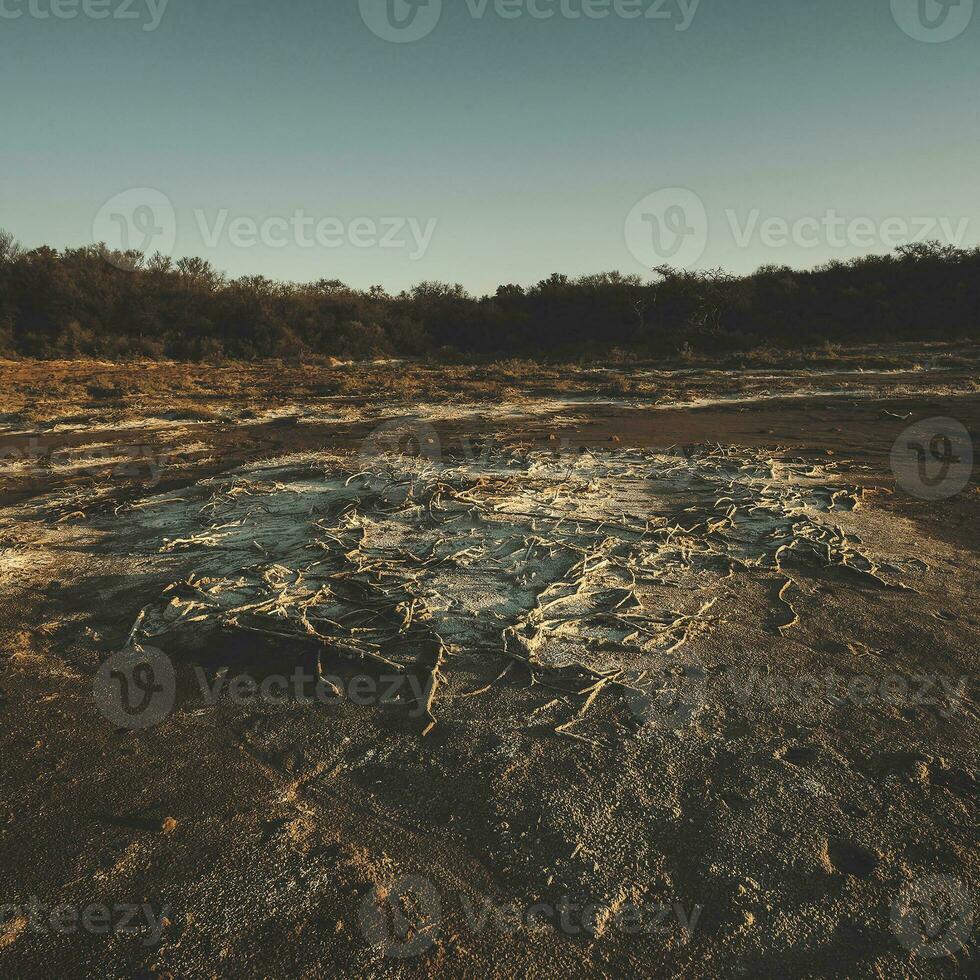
(628, 671)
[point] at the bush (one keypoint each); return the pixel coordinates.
(80, 302)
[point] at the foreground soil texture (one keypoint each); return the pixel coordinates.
(414, 670)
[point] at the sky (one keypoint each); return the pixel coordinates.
(321, 139)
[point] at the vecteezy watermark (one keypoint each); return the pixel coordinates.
(675, 703)
(382, 454)
(673, 706)
(136, 689)
(933, 459)
(671, 227)
(933, 916)
(933, 21)
(834, 230)
(405, 919)
(143, 221)
(107, 462)
(403, 21)
(667, 226)
(148, 12)
(379, 455)
(140, 220)
(305, 231)
(97, 919)
(303, 687)
(680, 13)
(397, 438)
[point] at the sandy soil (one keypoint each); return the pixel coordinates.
(605, 672)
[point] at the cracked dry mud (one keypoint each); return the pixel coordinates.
(708, 704)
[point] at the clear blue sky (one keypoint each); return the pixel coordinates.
(529, 141)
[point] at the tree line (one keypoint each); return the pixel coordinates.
(92, 301)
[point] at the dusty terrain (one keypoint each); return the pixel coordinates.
(402, 670)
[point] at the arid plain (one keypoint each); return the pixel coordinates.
(393, 668)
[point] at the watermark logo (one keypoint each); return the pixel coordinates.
(680, 13)
(143, 221)
(933, 459)
(834, 230)
(675, 704)
(402, 921)
(136, 688)
(401, 21)
(933, 21)
(306, 688)
(671, 227)
(673, 707)
(37, 462)
(667, 226)
(407, 437)
(140, 220)
(400, 437)
(933, 916)
(150, 12)
(302, 230)
(119, 919)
